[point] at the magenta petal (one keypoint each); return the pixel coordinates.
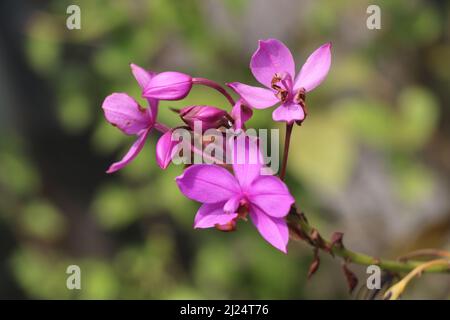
(166, 148)
(131, 154)
(271, 57)
(208, 183)
(288, 112)
(168, 86)
(273, 230)
(271, 195)
(143, 78)
(141, 75)
(315, 68)
(124, 112)
(258, 98)
(240, 114)
(153, 108)
(247, 160)
(210, 215)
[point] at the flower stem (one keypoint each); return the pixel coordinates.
(205, 156)
(299, 225)
(394, 292)
(214, 85)
(287, 142)
(161, 127)
(425, 253)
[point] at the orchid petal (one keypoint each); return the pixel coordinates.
(210, 215)
(271, 57)
(256, 97)
(141, 75)
(166, 149)
(143, 78)
(168, 86)
(247, 160)
(273, 230)
(240, 114)
(124, 112)
(315, 69)
(271, 195)
(153, 108)
(131, 154)
(288, 112)
(208, 183)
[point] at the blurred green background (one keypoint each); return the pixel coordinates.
(372, 159)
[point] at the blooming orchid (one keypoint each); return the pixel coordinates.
(273, 66)
(125, 113)
(241, 185)
(226, 197)
(227, 193)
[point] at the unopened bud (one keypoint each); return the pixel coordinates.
(210, 117)
(168, 86)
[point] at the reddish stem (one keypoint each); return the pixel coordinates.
(287, 142)
(214, 85)
(161, 127)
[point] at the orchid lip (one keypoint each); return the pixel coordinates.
(228, 227)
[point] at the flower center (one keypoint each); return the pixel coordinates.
(242, 212)
(243, 209)
(281, 84)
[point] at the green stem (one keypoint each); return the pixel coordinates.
(296, 220)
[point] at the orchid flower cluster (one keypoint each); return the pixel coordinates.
(228, 192)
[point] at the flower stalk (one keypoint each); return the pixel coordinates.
(287, 142)
(215, 86)
(300, 228)
(394, 292)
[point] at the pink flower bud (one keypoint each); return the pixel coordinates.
(210, 117)
(168, 86)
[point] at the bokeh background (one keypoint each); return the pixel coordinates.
(372, 159)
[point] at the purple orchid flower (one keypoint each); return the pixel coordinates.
(125, 113)
(226, 197)
(273, 66)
